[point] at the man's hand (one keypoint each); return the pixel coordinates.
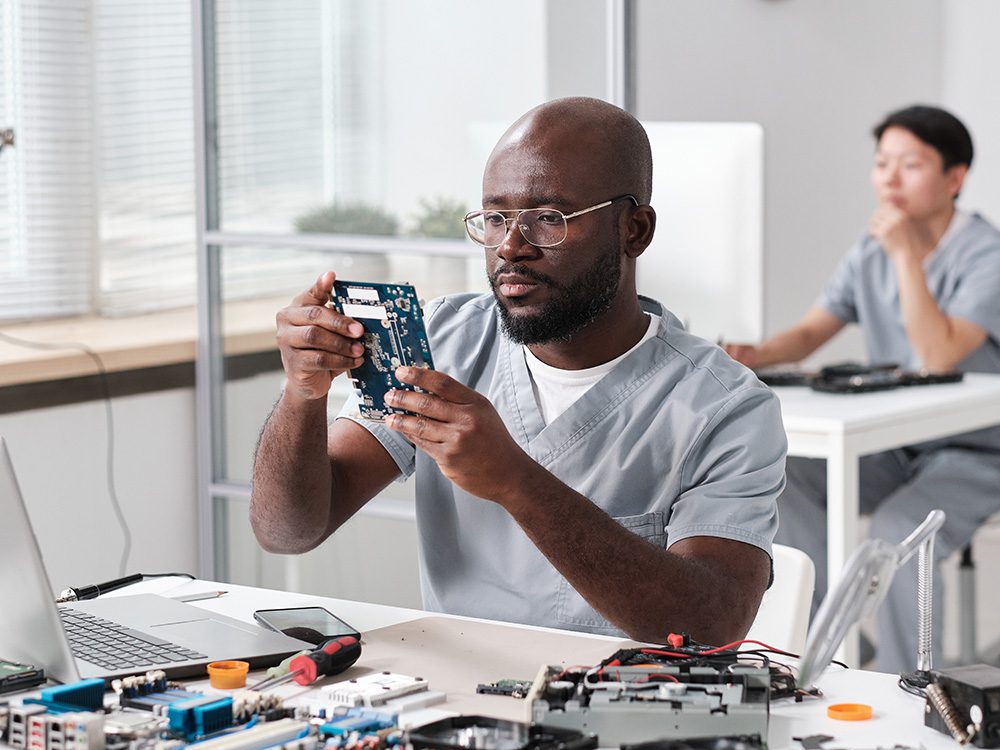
(461, 430)
(317, 343)
(898, 234)
(745, 354)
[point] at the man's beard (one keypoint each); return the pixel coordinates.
(569, 309)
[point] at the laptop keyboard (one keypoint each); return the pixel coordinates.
(114, 646)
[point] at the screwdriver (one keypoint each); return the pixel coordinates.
(333, 657)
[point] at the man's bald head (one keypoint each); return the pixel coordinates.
(601, 143)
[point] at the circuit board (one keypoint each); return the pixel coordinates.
(394, 336)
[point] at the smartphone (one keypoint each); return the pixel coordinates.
(312, 624)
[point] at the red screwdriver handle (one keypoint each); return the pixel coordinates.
(332, 657)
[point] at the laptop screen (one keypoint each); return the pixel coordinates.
(30, 629)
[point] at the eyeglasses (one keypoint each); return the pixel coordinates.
(542, 227)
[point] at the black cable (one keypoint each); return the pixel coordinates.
(109, 416)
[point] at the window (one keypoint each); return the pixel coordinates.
(332, 116)
(98, 191)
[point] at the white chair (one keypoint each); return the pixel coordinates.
(783, 617)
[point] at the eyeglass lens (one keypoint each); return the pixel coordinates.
(540, 226)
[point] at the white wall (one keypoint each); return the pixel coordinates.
(817, 76)
(59, 457)
(971, 61)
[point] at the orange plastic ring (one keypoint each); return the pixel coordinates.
(226, 675)
(849, 711)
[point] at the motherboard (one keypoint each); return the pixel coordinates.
(394, 336)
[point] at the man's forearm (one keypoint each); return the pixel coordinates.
(290, 502)
(789, 346)
(927, 327)
(646, 591)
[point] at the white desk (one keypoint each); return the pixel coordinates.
(898, 717)
(843, 427)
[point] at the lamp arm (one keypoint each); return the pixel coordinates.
(922, 541)
(927, 529)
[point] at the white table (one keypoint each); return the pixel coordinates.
(843, 427)
(897, 719)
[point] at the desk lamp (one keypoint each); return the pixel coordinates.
(862, 587)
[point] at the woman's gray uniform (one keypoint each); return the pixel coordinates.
(960, 475)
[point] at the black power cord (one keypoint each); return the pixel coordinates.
(110, 458)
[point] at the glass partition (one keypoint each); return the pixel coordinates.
(345, 136)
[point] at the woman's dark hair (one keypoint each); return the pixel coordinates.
(939, 129)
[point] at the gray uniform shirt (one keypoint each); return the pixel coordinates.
(963, 274)
(676, 441)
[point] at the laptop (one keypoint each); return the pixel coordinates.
(111, 637)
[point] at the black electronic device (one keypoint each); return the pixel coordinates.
(876, 380)
(480, 732)
(14, 676)
(776, 376)
(923, 377)
(312, 624)
(849, 369)
(971, 698)
(741, 742)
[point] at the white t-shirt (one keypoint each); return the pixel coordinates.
(555, 389)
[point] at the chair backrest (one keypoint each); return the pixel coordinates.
(783, 617)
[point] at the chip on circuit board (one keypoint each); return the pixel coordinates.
(394, 336)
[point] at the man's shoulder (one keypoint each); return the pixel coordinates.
(979, 234)
(462, 329)
(464, 307)
(698, 366)
(974, 249)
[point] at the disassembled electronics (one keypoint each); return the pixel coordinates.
(513, 688)
(752, 742)
(154, 714)
(965, 703)
(485, 733)
(649, 693)
(394, 336)
(853, 377)
(373, 689)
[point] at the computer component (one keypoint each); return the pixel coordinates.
(742, 742)
(854, 377)
(372, 689)
(484, 732)
(932, 378)
(394, 336)
(627, 704)
(513, 688)
(14, 676)
(775, 376)
(876, 380)
(971, 699)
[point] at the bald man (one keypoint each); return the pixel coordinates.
(581, 461)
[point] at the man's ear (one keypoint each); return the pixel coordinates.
(641, 225)
(956, 178)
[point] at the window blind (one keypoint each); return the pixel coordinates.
(145, 143)
(47, 221)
